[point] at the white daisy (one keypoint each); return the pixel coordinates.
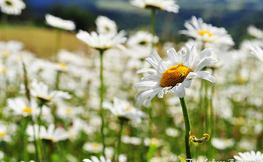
(53, 134)
(249, 156)
(258, 52)
(22, 108)
(4, 133)
(175, 74)
(142, 39)
(252, 30)
(12, 7)
(123, 109)
(59, 23)
(95, 159)
(168, 5)
(50, 133)
(222, 144)
(64, 111)
(93, 147)
(206, 33)
(40, 90)
(106, 25)
(102, 41)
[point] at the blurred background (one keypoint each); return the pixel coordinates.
(234, 15)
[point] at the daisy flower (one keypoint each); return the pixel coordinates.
(106, 25)
(40, 91)
(206, 33)
(175, 74)
(12, 7)
(142, 39)
(249, 156)
(93, 147)
(124, 110)
(59, 23)
(168, 5)
(4, 134)
(95, 159)
(102, 41)
(258, 52)
(50, 133)
(21, 108)
(252, 30)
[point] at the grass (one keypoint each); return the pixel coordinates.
(41, 41)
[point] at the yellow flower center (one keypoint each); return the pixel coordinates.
(62, 65)
(5, 52)
(95, 146)
(2, 134)
(3, 70)
(69, 111)
(128, 108)
(154, 142)
(174, 75)
(27, 110)
(203, 32)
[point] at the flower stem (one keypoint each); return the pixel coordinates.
(119, 139)
(57, 80)
(101, 101)
(153, 27)
(187, 127)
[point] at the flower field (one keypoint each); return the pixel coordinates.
(117, 95)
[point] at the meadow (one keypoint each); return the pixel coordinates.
(70, 96)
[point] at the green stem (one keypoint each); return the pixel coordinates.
(212, 115)
(207, 117)
(35, 140)
(57, 80)
(153, 27)
(187, 127)
(119, 139)
(101, 101)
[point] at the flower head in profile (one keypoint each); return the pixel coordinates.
(253, 31)
(249, 156)
(173, 75)
(59, 23)
(106, 25)
(168, 5)
(124, 110)
(142, 39)
(40, 91)
(51, 133)
(258, 52)
(93, 147)
(102, 41)
(206, 33)
(12, 7)
(95, 159)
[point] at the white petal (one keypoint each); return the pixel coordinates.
(178, 90)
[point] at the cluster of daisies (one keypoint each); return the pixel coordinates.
(53, 107)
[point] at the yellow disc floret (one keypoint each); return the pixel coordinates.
(2, 134)
(203, 32)
(27, 110)
(174, 75)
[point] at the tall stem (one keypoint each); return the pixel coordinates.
(101, 101)
(187, 127)
(57, 80)
(119, 139)
(153, 27)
